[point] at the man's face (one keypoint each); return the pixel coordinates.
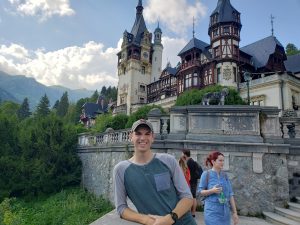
(142, 139)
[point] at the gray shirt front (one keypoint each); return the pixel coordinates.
(154, 188)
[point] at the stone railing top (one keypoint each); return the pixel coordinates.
(222, 108)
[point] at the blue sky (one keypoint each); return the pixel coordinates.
(74, 43)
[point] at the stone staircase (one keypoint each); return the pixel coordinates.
(282, 216)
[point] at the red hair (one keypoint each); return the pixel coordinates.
(212, 157)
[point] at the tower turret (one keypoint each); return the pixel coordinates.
(157, 55)
(134, 64)
(224, 31)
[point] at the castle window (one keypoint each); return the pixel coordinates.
(236, 31)
(180, 85)
(195, 79)
(124, 70)
(188, 80)
(142, 88)
(143, 70)
(142, 100)
(234, 74)
(226, 30)
(217, 52)
(122, 100)
(218, 75)
(215, 32)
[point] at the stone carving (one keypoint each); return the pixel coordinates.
(215, 98)
(227, 74)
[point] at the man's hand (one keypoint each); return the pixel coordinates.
(149, 220)
(162, 220)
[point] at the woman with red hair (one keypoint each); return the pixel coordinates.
(185, 170)
(216, 187)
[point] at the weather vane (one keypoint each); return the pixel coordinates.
(272, 24)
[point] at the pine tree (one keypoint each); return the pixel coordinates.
(43, 107)
(56, 105)
(23, 111)
(94, 97)
(103, 91)
(63, 105)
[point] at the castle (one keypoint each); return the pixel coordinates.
(271, 77)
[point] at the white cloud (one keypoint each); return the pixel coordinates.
(176, 15)
(43, 8)
(172, 46)
(90, 66)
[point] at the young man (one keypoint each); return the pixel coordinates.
(196, 172)
(153, 182)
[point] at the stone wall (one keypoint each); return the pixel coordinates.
(257, 160)
(260, 180)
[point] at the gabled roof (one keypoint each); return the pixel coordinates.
(261, 50)
(292, 63)
(169, 69)
(92, 109)
(225, 11)
(194, 43)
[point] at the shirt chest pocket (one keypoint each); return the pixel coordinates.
(162, 181)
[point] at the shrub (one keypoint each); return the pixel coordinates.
(194, 96)
(141, 113)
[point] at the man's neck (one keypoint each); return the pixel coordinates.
(142, 157)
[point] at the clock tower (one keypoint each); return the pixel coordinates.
(136, 60)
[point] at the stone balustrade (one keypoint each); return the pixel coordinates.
(109, 137)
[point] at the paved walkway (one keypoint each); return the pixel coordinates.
(113, 219)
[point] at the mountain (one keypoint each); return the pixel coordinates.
(17, 87)
(5, 96)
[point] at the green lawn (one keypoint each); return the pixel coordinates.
(70, 207)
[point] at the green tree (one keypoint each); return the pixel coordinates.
(63, 105)
(43, 107)
(141, 113)
(24, 111)
(9, 108)
(94, 97)
(55, 106)
(49, 155)
(291, 49)
(103, 91)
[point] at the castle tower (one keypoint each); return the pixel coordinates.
(157, 55)
(134, 64)
(224, 31)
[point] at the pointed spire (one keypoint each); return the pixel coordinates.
(272, 24)
(139, 8)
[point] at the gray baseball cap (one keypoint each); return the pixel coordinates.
(141, 122)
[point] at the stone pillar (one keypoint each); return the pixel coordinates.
(154, 118)
(178, 123)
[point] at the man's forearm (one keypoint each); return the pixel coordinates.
(130, 215)
(183, 206)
